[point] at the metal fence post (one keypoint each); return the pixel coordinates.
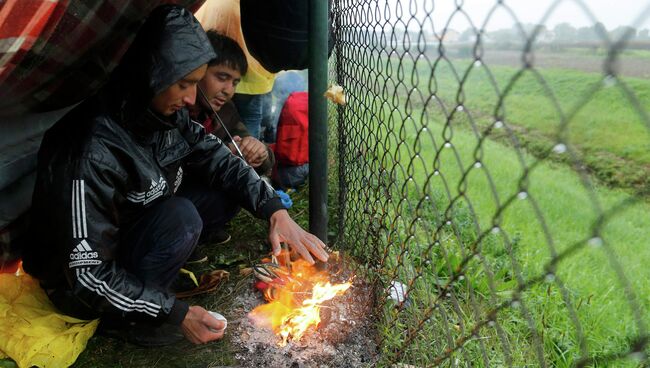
(318, 16)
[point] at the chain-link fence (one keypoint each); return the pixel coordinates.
(493, 179)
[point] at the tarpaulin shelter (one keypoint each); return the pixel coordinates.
(53, 54)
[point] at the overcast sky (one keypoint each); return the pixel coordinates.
(612, 13)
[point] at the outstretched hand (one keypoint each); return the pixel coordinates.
(284, 229)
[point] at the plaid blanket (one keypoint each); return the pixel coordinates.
(54, 53)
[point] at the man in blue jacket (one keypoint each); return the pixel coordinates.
(109, 230)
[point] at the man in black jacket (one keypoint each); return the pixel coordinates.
(110, 232)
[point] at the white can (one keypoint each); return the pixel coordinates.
(221, 318)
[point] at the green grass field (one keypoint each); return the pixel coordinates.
(606, 120)
(603, 121)
(559, 213)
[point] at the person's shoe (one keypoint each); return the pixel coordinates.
(141, 334)
(216, 237)
(198, 255)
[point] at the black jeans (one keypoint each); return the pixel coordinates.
(159, 243)
(156, 246)
(215, 208)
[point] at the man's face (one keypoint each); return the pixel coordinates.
(219, 84)
(179, 94)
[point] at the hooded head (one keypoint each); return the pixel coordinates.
(169, 53)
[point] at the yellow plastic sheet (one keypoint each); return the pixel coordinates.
(32, 332)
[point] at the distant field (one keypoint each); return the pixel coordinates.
(631, 63)
(604, 129)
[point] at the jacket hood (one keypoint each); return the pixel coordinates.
(170, 44)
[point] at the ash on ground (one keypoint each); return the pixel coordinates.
(344, 338)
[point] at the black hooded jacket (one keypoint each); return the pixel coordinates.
(110, 158)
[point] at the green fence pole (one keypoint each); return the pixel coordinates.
(318, 32)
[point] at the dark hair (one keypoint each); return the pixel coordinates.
(228, 52)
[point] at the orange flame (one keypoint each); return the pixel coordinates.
(295, 300)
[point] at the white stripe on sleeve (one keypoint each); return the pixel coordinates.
(118, 300)
(74, 209)
(82, 193)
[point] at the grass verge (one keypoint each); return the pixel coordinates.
(509, 259)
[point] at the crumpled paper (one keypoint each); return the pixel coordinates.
(335, 94)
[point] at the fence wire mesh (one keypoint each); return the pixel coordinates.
(493, 180)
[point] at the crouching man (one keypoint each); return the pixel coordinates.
(110, 233)
(215, 94)
(219, 86)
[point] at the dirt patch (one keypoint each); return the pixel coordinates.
(344, 338)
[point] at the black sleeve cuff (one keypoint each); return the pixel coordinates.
(178, 312)
(271, 206)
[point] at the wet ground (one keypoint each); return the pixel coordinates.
(344, 338)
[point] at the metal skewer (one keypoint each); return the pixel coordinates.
(215, 116)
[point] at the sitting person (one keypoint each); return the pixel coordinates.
(219, 86)
(286, 83)
(215, 93)
(111, 223)
(292, 142)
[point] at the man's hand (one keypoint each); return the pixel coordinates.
(255, 152)
(197, 324)
(284, 229)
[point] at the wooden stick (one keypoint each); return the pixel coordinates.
(287, 257)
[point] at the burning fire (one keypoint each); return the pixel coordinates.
(295, 298)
